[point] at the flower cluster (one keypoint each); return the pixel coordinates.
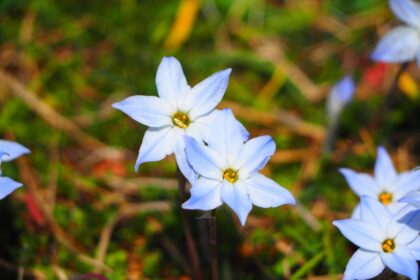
(9, 151)
(212, 149)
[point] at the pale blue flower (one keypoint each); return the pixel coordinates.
(402, 43)
(386, 185)
(340, 95)
(9, 151)
(179, 110)
(384, 240)
(228, 168)
(413, 198)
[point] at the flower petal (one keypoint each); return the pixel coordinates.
(207, 94)
(226, 136)
(356, 212)
(204, 160)
(200, 128)
(7, 186)
(361, 183)
(407, 11)
(340, 95)
(265, 193)
(254, 155)
(205, 195)
(414, 248)
(148, 110)
(385, 172)
(405, 183)
(401, 44)
(401, 261)
(181, 157)
(405, 225)
(418, 59)
(12, 150)
(237, 198)
(170, 81)
(361, 233)
(413, 198)
(363, 265)
(374, 212)
(157, 144)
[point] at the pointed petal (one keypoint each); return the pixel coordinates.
(254, 155)
(363, 265)
(414, 248)
(170, 81)
(7, 186)
(181, 158)
(265, 193)
(407, 11)
(207, 94)
(148, 110)
(401, 261)
(405, 225)
(385, 172)
(340, 95)
(374, 212)
(12, 150)
(401, 44)
(361, 183)
(157, 144)
(205, 195)
(204, 160)
(405, 183)
(237, 198)
(361, 233)
(413, 198)
(226, 136)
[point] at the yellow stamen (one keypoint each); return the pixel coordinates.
(385, 198)
(230, 175)
(388, 246)
(181, 120)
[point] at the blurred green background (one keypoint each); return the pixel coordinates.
(83, 212)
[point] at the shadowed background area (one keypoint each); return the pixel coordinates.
(84, 213)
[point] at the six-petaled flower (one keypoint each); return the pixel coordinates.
(228, 166)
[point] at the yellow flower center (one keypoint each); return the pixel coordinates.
(181, 120)
(230, 175)
(385, 198)
(388, 246)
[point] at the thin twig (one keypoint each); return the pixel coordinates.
(213, 243)
(191, 247)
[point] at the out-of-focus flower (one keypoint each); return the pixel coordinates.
(228, 169)
(402, 43)
(340, 95)
(413, 198)
(9, 151)
(179, 110)
(386, 186)
(384, 240)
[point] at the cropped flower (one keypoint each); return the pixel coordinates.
(228, 168)
(402, 43)
(179, 110)
(9, 151)
(384, 240)
(340, 95)
(386, 186)
(413, 198)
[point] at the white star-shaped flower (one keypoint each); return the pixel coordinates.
(402, 43)
(386, 186)
(179, 110)
(9, 151)
(385, 240)
(228, 168)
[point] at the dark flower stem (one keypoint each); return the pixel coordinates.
(213, 243)
(191, 248)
